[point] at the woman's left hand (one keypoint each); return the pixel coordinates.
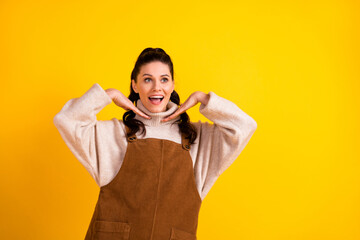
(192, 100)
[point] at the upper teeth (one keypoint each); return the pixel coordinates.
(156, 97)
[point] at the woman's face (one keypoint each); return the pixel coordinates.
(154, 85)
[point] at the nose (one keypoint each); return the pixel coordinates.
(156, 85)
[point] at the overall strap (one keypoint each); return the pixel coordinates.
(185, 142)
(131, 138)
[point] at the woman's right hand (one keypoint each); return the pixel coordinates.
(122, 101)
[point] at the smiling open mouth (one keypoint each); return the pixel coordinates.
(156, 99)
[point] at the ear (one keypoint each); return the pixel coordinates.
(133, 84)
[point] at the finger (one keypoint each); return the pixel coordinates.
(189, 103)
(130, 106)
(170, 117)
(137, 111)
(180, 110)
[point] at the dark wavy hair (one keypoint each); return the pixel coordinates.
(146, 56)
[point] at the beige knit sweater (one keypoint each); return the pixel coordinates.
(100, 145)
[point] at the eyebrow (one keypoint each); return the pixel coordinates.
(151, 75)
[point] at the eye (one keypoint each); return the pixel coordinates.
(147, 79)
(165, 79)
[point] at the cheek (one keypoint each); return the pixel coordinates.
(168, 93)
(143, 90)
(142, 95)
(169, 89)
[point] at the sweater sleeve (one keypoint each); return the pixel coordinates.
(220, 142)
(91, 141)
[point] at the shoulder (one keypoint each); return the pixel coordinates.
(203, 130)
(113, 126)
(202, 126)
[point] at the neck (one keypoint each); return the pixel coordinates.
(157, 117)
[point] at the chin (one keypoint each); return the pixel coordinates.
(151, 108)
(156, 110)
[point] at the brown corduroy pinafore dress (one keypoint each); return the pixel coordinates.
(152, 197)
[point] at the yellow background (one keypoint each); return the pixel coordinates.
(291, 65)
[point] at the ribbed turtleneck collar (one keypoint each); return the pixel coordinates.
(156, 117)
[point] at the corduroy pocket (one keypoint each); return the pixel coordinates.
(107, 230)
(181, 235)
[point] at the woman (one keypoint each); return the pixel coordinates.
(154, 167)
